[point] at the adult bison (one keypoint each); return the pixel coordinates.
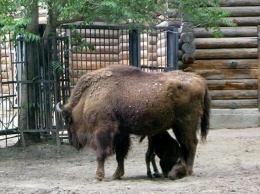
(109, 104)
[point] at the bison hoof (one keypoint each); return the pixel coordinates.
(118, 174)
(97, 180)
(157, 175)
(149, 175)
(99, 176)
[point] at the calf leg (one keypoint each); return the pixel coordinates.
(155, 169)
(150, 156)
(122, 146)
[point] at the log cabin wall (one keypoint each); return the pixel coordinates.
(230, 64)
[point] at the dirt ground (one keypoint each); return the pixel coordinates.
(228, 163)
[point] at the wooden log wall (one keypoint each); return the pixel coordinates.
(106, 51)
(6, 69)
(230, 64)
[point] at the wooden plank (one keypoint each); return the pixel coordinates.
(234, 104)
(227, 32)
(233, 84)
(223, 74)
(225, 64)
(233, 94)
(234, 42)
(243, 11)
(239, 3)
(231, 53)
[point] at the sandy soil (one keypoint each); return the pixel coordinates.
(228, 163)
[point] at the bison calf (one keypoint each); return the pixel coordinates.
(171, 159)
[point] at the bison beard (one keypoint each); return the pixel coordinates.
(109, 104)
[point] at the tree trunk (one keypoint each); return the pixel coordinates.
(27, 114)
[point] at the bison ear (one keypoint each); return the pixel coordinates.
(67, 115)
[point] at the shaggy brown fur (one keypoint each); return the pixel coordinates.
(171, 159)
(109, 104)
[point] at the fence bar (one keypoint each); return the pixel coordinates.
(172, 49)
(134, 48)
(258, 36)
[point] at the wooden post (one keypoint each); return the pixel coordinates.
(258, 36)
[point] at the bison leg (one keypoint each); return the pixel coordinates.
(188, 141)
(104, 148)
(122, 146)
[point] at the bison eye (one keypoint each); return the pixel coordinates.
(179, 87)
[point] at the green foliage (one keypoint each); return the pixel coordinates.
(133, 13)
(57, 67)
(202, 13)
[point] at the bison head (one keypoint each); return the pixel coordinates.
(68, 120)
(179, 170)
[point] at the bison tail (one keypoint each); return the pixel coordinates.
(205, 117)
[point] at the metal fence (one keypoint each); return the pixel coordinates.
(94, 47)
(58, 64)
(29, 92)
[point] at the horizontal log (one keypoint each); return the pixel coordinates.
(240, 53)
(4, 53)
(243, 11)
(161, 52)
(162, 43)
(244, 21)
(87, 65)
(162, 35)
(100, 42)
(225, 64)
(152, 49)
(153, 40)
(234, 104)
(227, 32)
(239, 3)
(152, 57)
(124, 55)
(223, 74)
(98, 50)
(124, 38)
(213, 43)
(97, 57)
(6, 75)
(144, 37)
(162, 61)
(124, 62)
(98, 33)
(233, 94)
(143, 54)
(233, 84)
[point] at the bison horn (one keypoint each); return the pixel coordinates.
(57, 108)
